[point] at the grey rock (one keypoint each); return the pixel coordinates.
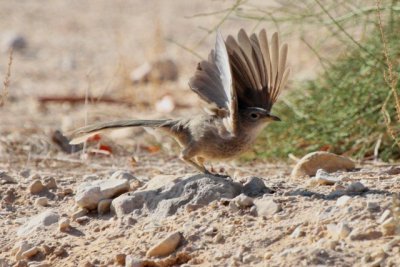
(255, 187)
(199, 190)
(38, 222)
(90, 193)
(14, 41)
(6, 179)
(243, 201)
(356, 187)
(121, 174)
(329, 162)
(267, 207)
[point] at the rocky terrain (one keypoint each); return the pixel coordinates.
(125, 199)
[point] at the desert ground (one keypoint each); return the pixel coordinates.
(125, 199)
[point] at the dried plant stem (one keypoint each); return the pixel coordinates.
(6, 81)
(390, 77)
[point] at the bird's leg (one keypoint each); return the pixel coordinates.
(187, 156)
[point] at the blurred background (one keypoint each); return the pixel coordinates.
(133, 59)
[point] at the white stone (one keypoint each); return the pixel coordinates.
(41, 201)
(342, 201)
(38, 222)
(243, 201)
(356, 187)
(339, 231)
(90, 193)
(63, 224)
(165, 246)
(266, 207)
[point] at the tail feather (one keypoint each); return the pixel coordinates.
(82, 134)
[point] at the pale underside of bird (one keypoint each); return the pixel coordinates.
(241, 80)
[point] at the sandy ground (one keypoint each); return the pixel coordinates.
(78, 47)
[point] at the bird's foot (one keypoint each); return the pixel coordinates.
(207, 172)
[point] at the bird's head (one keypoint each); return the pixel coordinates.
(256, 118)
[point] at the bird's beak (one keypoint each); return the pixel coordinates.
(273, 117)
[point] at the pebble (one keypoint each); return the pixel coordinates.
(210, 231)
(120, 258)
(130, 261)
(243, 201)
(342, 201)
(267, 207)
(165, 246)
(339, 231)
(373, 207)
(6, 179)
(389, 227)
(104, 206)
(42, 202)
(385, 215)
(298, 232)
(30, 253)
(249, 258)
(20, 248)
(356, 187)
(64, 224)
(79, 213)
(218, 238)
(36, 187)
(82, 220)
(388, 246)
(51, 183)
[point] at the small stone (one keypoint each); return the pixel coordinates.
(358, 234)
(30, 253)
(323, 178)
(90, 193)
(329, 162)
(218, 238)
(130, 261)
(64, 224)
(243, 201)
(20, 248)
(34, 176)
(83, 220)
(79, 213)
(267, 207)
(42, 202)
(104, 206)
(36, 187)
(249, 258)
(388, 246)
(342, 201)
(389, 227)
(68, 191)
(268, 255)
(385, 215)
(120, 258)
(50, 183)
(210, 231)
(356, 187)
(340, 231)
(165, 246)
(233, 206)
(6, 179)
(373, 207)
(37, 222)
(255, 187)
(298, 232)
(14, 41)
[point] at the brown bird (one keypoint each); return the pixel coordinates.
(241, 79)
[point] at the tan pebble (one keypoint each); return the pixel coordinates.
(59, 251)
(166, 246)
(389, 227)
(51, 183)
(268, 255)
(34, 177)
(63, 224)
(120, 258)
(42, 201)
(68, 191)
(130, 261)
(104, 206)
(36, 187)
(385, 215)
(218, 238)
(80, 213)
(30, 253)
(20, 249)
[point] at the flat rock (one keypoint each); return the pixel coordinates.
(38, 222)
(329, 162)
(90, 193)
(267, 206)
(198, 190)
(255, 187)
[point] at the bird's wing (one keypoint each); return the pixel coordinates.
(259, 70)
(212, 81)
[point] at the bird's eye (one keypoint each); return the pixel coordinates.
(254, 115)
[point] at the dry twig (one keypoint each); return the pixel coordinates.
(6, 81)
